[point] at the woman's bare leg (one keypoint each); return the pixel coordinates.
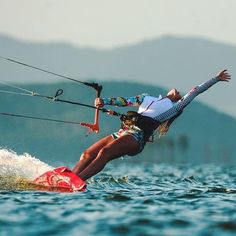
(119, 147)
(89, 154)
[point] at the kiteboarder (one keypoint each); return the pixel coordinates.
(154, 113)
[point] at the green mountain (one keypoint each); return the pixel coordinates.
(201, 134)
(167, 62)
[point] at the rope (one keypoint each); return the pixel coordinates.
(14, 86)
(96, 86)
(11, 92)
(93, 85)
(56, 99)
(40, 118)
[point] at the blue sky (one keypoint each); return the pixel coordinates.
(111, 23)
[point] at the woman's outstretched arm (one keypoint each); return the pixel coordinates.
(222, 76)
(185, 100)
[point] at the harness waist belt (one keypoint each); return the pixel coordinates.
(145, 123)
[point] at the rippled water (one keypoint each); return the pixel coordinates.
(128, 199)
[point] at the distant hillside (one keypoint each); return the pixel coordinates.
(201, 134)
(167, 62)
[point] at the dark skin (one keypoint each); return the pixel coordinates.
(94, 159)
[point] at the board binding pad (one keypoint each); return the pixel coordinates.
(60, 179)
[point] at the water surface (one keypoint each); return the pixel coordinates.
(126, 199)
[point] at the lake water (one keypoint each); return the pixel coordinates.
(126, 199)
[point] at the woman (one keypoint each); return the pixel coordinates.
(153, 113)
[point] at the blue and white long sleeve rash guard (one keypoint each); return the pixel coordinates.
(158, 108)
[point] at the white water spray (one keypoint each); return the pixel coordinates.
(20, 166)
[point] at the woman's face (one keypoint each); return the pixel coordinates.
(174, 95)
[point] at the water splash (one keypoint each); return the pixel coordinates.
(16, 170)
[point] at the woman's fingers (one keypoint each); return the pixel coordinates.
(99, 102)
(224, 76)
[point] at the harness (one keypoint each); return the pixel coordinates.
(145, 123)
(137, 120)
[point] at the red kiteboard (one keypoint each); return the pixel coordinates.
(60, 179)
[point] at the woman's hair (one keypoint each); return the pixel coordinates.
(164, 127)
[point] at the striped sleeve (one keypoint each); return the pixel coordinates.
(123, 102)
(181, 104)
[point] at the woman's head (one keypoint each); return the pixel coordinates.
(174, 95)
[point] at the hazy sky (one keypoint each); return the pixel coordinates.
(109, 23)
